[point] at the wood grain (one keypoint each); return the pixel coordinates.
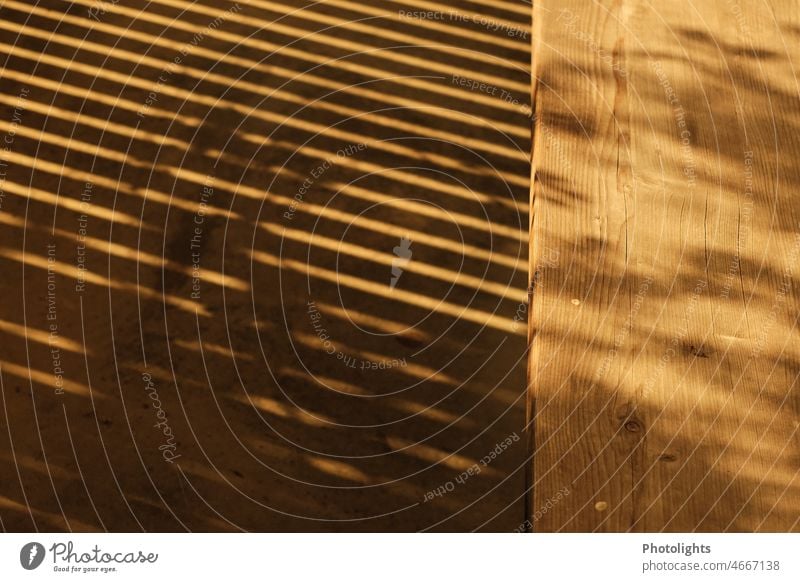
(665, 247)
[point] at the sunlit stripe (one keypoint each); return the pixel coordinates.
(339, 469)
(370, 72)
(95, 279)
(354, 47)
(119, 102)
(328, 213)
(416, 371)
(199, 178)
(431, 412)
(287, 410)
(436, 414)
(415, 180)
(161, 63)
(38, 466)
(124, 187)
(57, 521)
(137, 255)
(416, 300)
(212, 348)
(102, 124)
(289, 74)
(204, 274)
(437, 456)
(436, 26)
(47, 379)
(333, 384)
(417, 154)
(260, 114)
(454, 277)
(96, 95)
(311, 127)
(360, 26)
(42, 337)
(75, 205)
(74, 145)
(401, 330)
(484, 224)
(522, 8)
(165, 375)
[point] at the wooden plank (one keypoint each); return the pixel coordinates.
(664, 242)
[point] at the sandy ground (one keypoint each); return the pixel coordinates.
(202, 205)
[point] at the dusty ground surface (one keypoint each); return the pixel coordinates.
(201, 327)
